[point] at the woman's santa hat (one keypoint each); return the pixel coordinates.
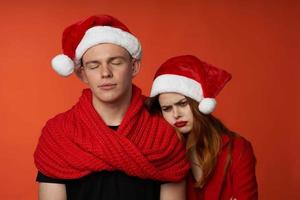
(191, 77)
(79, 37)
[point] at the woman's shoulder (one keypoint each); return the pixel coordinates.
(239, 142)
(242, 151)
(243, 145)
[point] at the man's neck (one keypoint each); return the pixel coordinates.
(112, 113)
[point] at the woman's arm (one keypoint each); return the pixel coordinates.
(244, 179)
(173, 191)
(52, 191)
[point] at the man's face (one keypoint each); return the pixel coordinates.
(108, 69)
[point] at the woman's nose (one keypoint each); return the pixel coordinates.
(176, 113)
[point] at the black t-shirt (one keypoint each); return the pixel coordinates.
(107, 185)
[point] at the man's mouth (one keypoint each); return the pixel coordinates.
(107, 86)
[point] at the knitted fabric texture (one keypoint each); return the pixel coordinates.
(78, 142)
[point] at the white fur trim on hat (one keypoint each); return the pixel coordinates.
(106, 34)
(179, 84)
(63, 65)
(207, 105)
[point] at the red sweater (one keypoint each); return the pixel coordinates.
(240, 180)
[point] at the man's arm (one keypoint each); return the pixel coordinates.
(52, 191)
(173, 191)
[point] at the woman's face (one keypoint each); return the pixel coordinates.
(176, 111)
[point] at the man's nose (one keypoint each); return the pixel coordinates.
(106, 71)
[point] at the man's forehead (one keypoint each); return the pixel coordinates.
(106, 51)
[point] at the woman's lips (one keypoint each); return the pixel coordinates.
(107, 86)
(180, 124)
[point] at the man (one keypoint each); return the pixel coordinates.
(107, 146)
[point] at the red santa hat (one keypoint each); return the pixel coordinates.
(191, 77)
(79, 37)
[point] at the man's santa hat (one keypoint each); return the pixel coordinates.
(191, 77)
(79, 37)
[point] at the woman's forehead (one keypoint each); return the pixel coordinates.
(170, 98)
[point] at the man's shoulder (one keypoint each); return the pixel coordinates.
(60, 118)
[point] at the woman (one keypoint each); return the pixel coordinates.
(222, 162)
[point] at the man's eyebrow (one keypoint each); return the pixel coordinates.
(117, 57)
(109, 59)
(91, 61)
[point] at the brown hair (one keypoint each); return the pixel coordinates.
(205, 138)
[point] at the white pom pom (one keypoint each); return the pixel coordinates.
(207, 105)
(63, 65)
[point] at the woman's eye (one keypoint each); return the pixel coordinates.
(166, 109)
(183, 103)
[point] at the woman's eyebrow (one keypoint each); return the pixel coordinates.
(165, 106)
(176, 103)
(180, 101)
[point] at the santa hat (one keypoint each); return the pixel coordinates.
(79, 37)
(191, 77)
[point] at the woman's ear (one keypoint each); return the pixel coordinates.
(136, 65)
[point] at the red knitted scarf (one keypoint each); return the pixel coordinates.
(78, 142)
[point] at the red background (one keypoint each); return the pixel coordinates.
(257, 41)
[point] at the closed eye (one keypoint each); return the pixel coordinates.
(92, 65)
(116, 61)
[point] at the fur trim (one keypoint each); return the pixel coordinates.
(185, 86)
(106, 34)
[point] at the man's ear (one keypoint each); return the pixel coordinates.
(136, 65)
(82, 75)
